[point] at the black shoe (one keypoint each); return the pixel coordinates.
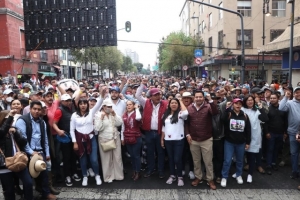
(68, 181)
(274, 167)
(18, 190)
(161, 175)
(269, 170)
(294, 175)
(148, 174)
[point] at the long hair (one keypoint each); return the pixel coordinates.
(3, 115)
(87, 109)
(174, 118)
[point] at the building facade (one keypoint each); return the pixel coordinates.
(14, 59)
(221, 33)
(133, 55)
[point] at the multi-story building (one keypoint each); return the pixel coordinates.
(133, 55)
(221, 33)
(14, 59)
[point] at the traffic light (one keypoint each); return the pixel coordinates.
(232, 70)
(239, 60)
(128, 26)
(233, 61)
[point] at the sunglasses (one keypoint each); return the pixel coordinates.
(108, 106)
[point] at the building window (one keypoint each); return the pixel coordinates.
(202, 8)
(275, 34)
(209, 1)
(203, 26)
(221, 11)
(248, 37)
(200, 29)
(210, 44)
(244, 7)
(278, 8)
(63, 55)
(220, 39)
(210, 20)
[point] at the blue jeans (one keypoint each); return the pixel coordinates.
(175, 150)
(135, 154)
(238, 150)
(93, 157)
(274, 144)
(294, 147)
(153, 143)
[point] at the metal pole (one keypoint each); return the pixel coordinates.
(263, 37)
(67, 58)
(291, 43)
(242, 33)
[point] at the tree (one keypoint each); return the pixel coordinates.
(127, 65)
(177, 50)
(113, 59)
(139, 66)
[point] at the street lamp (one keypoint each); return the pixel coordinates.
(198, 39)
(265, 13)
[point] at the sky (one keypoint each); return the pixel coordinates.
(150, 21)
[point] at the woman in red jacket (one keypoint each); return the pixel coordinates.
(131, 136)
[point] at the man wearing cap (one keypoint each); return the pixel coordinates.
(133, 91)
(154, 109)
(267, 96)
(47, 85)
(293, 109)
(33, 97)
(61, 125)
(33, 128)
(26, 88)
(187, 99)
(198, 130)
(119, 105)
(7, 98)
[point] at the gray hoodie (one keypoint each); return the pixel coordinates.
(293, 109)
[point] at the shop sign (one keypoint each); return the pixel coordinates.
(250, 67)
(44, 67)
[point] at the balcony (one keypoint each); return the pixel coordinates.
(55, 59)
(44, 57)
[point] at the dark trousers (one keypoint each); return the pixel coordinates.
(56, 158)
(218, 157)
(135, 154)
(175, 150)
(274, 144)
(8, 184)
(44, 180)
(187, 156)
(253, 160)
(69, 159)
(153, 143)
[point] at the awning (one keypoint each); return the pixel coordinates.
(282, 43)
(56, 66)
(47, 73)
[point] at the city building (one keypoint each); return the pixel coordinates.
(14, 59)
(221, 33)
(133, 55)
(282, 44)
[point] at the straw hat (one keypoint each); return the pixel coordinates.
(36, 165)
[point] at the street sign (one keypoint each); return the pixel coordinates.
(198, 53)
(185, 67)
(198, 61)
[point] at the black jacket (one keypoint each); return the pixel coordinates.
(277, 121)
(6, 140)
(237, 128)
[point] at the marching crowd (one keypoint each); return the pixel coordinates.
(205, 125)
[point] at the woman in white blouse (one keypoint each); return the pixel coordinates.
(173, 138)
(83, 138)
(106, 124)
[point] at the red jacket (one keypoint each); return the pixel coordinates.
(147, 114)
(199, 123)
(131, 126)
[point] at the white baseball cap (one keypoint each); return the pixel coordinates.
(65, 97)
(8, 91)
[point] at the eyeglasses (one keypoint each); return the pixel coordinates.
(108, 106)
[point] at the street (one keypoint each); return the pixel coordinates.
(264, 187)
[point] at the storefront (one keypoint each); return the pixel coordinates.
(213, 71)
(45, 70)
(252, 72)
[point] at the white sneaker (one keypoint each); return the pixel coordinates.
(98, 180)
(249, 178)
(85, 181)
(223, 182)
(191, 175)
(239, 180)
(234, 175)
(91, 172)
(183, 172)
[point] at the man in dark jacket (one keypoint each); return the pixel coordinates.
(198, 130)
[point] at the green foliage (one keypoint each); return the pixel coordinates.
(127, 65)
(178, 54)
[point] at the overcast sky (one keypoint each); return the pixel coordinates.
(150, 21)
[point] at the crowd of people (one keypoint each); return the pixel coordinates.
(192, 123)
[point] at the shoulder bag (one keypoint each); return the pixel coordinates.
(111, 144)
(18, 162)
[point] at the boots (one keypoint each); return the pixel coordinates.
(133, 175)
(52, 189)
(137, 176)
